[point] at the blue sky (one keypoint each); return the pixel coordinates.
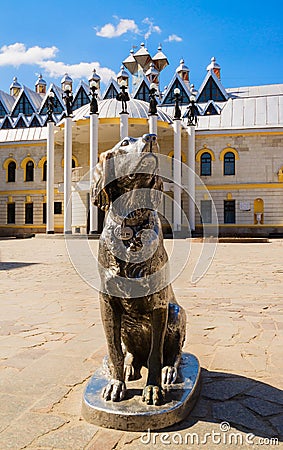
(53, 37)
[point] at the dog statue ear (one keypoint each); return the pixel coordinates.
(156, 191)
(102, 177)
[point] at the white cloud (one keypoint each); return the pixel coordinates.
(173, 38)
(151, 28)
(110, 31)
(43, 57)
(17, 54)
(81, 70)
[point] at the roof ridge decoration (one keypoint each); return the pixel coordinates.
(23, 94)
(35, 118)
(33, 96)
(145, 81)
(7, 101)
(58, 95)
(82, 85)
(211, 104)
(178, 82)
(116, 88)
(21, 119)
(81, 96)
(9, 122)
(211, 76)
(3, 108)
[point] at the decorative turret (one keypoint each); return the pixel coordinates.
(95, 78)
(152, 74)
(143, 58)
(66, 81)
(15, 87)
(160, 60)
(215, 67)
(40, 85)
(123, 76)
(130, 63)
(183, 71)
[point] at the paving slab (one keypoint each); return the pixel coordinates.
(52, 341)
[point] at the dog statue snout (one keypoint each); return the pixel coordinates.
(149, 138)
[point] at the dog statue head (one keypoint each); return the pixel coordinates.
(128, 171)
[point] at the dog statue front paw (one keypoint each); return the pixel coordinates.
(115, 391)
(169, 375)
(152, 395)
(131, 373)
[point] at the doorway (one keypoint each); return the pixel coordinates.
(229, 211)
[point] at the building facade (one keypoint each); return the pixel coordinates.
(234, 153)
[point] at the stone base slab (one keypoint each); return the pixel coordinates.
(132, 414)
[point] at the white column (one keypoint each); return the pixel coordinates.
(177, 175)
(68, 176)
(152, 121)
(50, 179)
(124, 125)
(191, 181)
(92, 163)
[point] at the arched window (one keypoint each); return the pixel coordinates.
(73, 163)
(205, 164)
(29, 171)
(229, 163)
(12, 171)
(44, 171)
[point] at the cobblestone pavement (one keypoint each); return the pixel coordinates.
(51, 341)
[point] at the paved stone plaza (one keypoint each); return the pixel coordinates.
(51, 341)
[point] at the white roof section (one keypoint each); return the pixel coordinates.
(23, 134)
(243, 113)
(255, 91)
(111, 108)
(248, 107)
(252, 107)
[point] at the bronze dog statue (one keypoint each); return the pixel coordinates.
(144, 325)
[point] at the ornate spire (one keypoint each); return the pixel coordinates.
(183, 71)
(214, 66)
(123, 76)
(40, 85)
(15, 87)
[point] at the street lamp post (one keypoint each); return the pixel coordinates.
(93, 155)
(68, 99)
(50, 166)
(192, 122)
(177, 165)
(152, 112)
(123, 97)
